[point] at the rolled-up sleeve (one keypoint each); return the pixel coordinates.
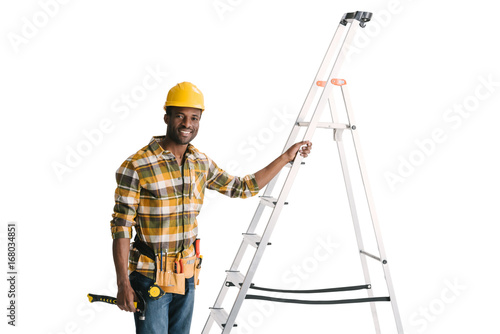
(229, 185)
(126, 201)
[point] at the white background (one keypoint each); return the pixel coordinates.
(67, 72)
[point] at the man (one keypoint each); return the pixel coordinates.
(160, 192)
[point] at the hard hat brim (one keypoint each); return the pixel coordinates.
(183, 104)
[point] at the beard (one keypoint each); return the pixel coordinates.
(174, 135)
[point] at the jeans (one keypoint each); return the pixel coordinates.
(170, 314)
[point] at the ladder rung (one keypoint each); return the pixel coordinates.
(269, 201)
(220, 316)
(373, 256)
(234, 278)
(252, 239)
(326, 125)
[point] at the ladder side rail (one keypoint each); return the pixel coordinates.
(291, 139)
(255, 261)
(239, 256)
(344, 49)
(293, 171)
(218, 303)
(255, 221)
(208, 325)
(221, 296)
(357, 230)
(371, 206)
(354, 211)
(276, 212)
(327, 90)
(341, 55)
(285, 190)
(244, 245)
(320, 75)
(234, 267)
(274, 215)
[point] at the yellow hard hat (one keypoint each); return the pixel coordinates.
(185, 94)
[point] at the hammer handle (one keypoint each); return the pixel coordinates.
(105, 299)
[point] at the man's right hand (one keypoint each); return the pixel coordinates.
(126, 297)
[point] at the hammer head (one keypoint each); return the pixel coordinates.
(141, 306)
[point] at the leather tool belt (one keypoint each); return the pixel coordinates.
(171, 272)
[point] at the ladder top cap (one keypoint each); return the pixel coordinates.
(362, 17)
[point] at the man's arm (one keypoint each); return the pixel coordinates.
(266, 174)
(126, 295)
(127, 196)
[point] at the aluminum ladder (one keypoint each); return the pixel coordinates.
(323, 84)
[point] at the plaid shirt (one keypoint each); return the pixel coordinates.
(162, 199)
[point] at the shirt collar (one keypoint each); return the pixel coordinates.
(155, 146)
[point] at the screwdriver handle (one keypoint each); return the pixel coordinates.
(197, 247)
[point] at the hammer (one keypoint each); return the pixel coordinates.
(141, 305)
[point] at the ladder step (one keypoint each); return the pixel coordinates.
(326, 125)
(220, 316)
(234, 278)
(269, 201)
(252, 239)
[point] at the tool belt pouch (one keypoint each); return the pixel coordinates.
(170, 279)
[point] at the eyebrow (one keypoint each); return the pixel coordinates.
(182, 113)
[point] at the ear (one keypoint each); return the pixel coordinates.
(166, 118)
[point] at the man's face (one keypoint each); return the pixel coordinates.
(183, 124)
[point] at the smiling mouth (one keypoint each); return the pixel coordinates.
(185, 132)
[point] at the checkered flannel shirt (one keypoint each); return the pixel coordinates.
(162, 199)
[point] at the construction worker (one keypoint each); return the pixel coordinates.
(160, 192)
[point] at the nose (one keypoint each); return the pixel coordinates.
(186, 122)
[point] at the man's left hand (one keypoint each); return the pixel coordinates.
(263, 176)
(303, 147)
